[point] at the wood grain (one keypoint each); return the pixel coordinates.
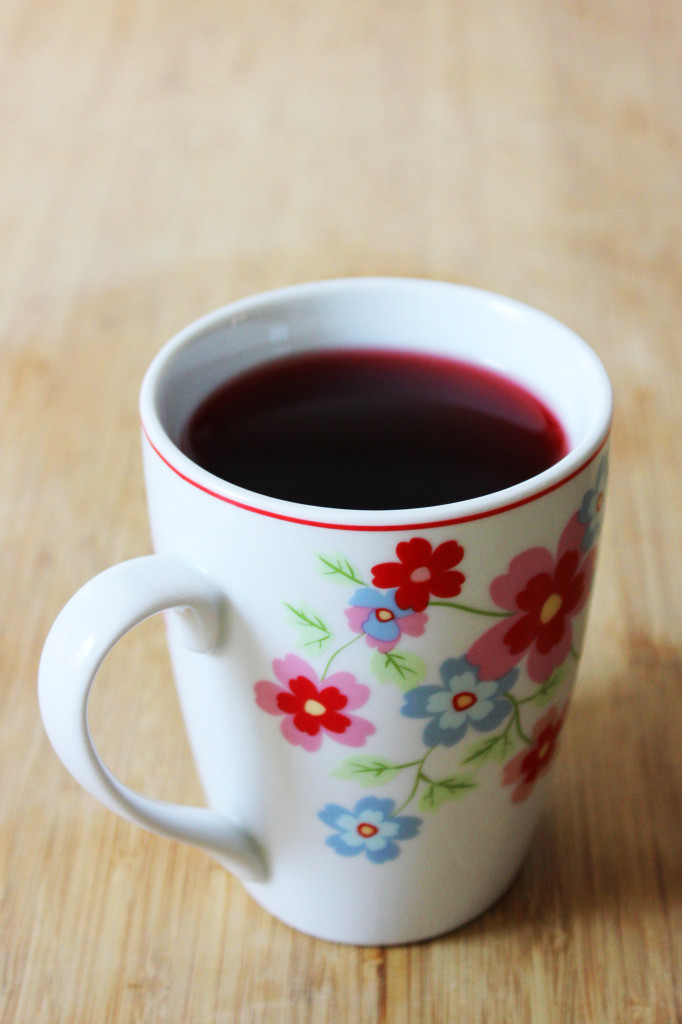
(159, 159)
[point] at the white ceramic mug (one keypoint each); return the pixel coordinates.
(373, 760)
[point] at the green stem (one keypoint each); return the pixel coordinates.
(417, 779)
(338, 651)
(527, 700)
(516, 718)
(468, 608)
(546, 687)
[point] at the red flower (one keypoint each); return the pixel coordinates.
(543, 594)
(313, 709)
(526, 767)
(421, 572)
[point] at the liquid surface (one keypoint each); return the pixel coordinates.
(373, 429)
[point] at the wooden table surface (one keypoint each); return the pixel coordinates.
(158, 159)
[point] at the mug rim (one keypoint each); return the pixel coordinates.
(565, 469)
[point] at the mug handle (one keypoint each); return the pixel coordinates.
(86, 629)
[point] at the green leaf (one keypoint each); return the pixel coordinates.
(402, 668)
(312, 630)
(367, 770)
(492, 748)
(441, 791)
(340, 568)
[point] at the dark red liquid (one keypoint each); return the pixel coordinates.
(372, 429)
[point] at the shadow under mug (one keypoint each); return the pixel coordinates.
(364, 790)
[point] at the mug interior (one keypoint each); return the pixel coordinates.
(521, 343)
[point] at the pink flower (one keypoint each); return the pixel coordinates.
(379, 617)
(530, 764)
(542, 595)
(313, 708)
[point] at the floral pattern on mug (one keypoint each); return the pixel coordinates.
(463, 701)
(478, 711)
(313, 709)
(421, 571)
(542, 594)
(371, 828)
(377, 614)
(526, 767)
(592, 509)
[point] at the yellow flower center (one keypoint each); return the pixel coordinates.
(544, 750)
(464, 700)
(385, 614)
(366, 830)
(550, 608)
(314, 707)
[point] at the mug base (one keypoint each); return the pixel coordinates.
(397, 933)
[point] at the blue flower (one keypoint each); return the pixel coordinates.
(376, 614)
(463, 701)
(369, 827)
(592, 509)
